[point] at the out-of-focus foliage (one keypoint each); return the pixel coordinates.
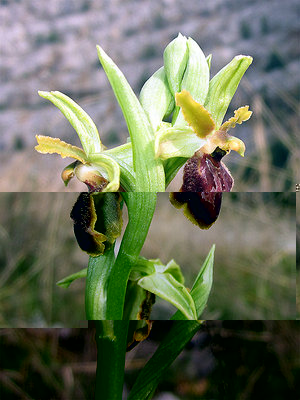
(254, 273)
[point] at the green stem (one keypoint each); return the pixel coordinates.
(111, 339)
(141, 207)
(98, 272)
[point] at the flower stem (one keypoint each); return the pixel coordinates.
(111, 339)
(141, 207)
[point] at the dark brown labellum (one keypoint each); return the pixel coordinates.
(201, 208)
(84, 217)
(206, 173)
(205, 177)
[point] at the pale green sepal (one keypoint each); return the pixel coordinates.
(66, 282)
(177, 141)
(175, 59)
(223, 86)
(108, 168)
(167, 287)
(79, 119)
(156, 98)
(196, 77)
(202, 286)
(149, 171)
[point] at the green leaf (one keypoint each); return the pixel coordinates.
(172, 345)
(79, 119)
(223, 86)
(176, 141)
(149, 171)
(49, 145)
(202, 286)
(66, 282)
(156, 98)
(135, 297)
(144, 267)
(168, 288)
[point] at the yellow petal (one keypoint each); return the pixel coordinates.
(195, 114)
(49, 145)
(240, 115)
(236, 144)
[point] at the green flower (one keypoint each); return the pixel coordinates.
(98, 170)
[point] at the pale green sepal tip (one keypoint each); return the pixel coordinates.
(156, 98)
(223, 86)
(175, 59)
(78, 118)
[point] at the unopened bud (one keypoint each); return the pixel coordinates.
(91, 177)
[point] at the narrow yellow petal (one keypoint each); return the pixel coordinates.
(49, 145)
(240, 115)
(195, 114)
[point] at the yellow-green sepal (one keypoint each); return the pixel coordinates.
(176, 141)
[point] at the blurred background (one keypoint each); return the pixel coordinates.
(51, 46)
(225, 360)
(255, 258)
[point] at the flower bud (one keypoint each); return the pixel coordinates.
(91, 177)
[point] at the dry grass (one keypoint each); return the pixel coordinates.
(254, 274)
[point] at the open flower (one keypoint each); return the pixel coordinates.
(205, 172)
(205, 175)
(99, 171)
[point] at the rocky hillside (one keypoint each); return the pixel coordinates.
(51, 46)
